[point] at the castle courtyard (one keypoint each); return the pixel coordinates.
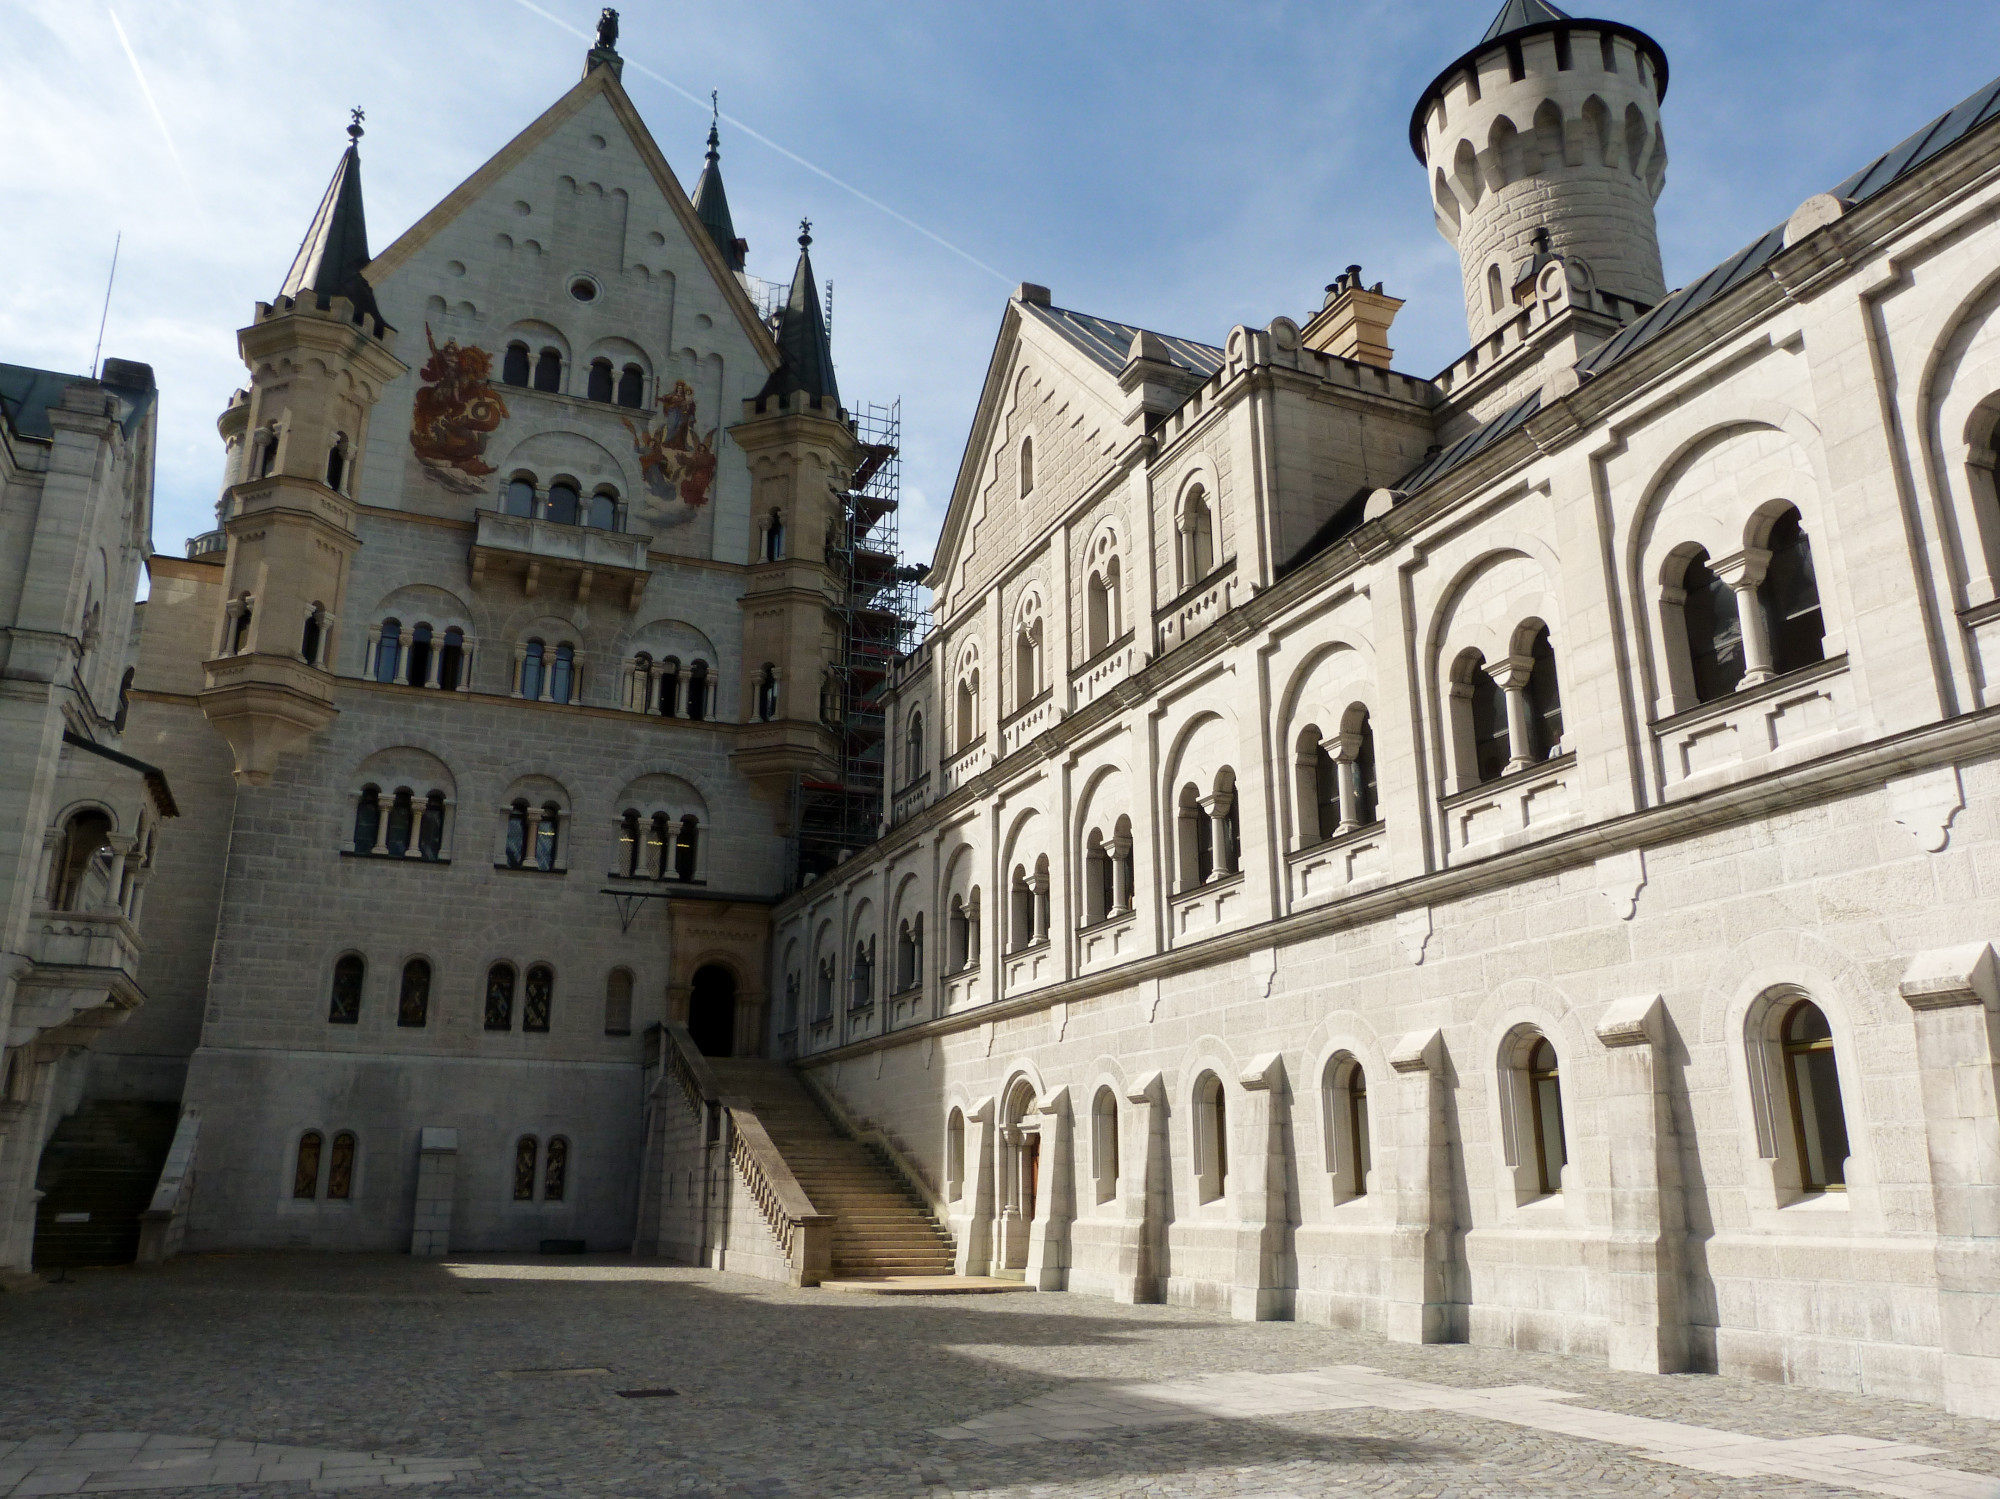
(278, 1375)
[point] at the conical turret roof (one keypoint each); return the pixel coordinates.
(805, 353)
(335, 250)
(1518, 15)
(711, 205)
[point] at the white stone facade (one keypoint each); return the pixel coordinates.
(1384, 913)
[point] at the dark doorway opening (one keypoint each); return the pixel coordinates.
(712, 1011)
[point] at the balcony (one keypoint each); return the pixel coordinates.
(1208, 908)
(1514, 809)
(1198, 608)
(1798, 716)
(1345, 864)
(961, 988)
(1104, 671)
(964, 766)
(1022, 728)
(911, 800)
(1031, 967)
(84, 977)
(560, 561)
(1115, 939)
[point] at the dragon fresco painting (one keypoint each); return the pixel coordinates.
(676, 462)
(457, 409)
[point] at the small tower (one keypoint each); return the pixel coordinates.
(803, 457)
(711, 203)
(319, 355)
(1551, 125)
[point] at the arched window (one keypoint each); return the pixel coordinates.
(1027, 663)
(1196, 533)
(600, 380)
(239, 629)
(954, 1156)
(670, 686)
(1316, 781)
(387, 649)
(531, 669)
(632, 387)
(1021, 911)
(1097, 894)
(958, 950)
(514, 367)
(413, 1000)
(774, 536)
(336, 462)
(968, 710)
(686, 847)
(563, 498)
(562, 676)
(1545, 713)
(517, 834)
(628, 843)
(555, 1170)
(349, 971)
(1101, 609)
(906, 958)
(500, 997)
(618, 1002)
(548, 370)
(367, 820)
(340, 1168)
(546, 833)
(913, 750)
(309, 640)
(1714, 630)
(402, 823)
(420, 655)
(767, 692)
(1488, 706)
(603, 513)
(697, 693)
(1104, 1143)
(823, 991)
(305, 1172)
(1366, 798)
(1027, 466)
(538, 997)
(1812, 1088)
(451, 659)
(1344, 1096)
(1196, 839)
(430, 828)
(1545, 1111)
(1496, 295)
(521, 495)
(267, 453)
(659, 846)
(1211, 1138)
(861, 978)
(82, 869)
(1789, 598)
(526, 1150)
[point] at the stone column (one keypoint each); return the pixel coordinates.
(1954, 998)
(1421, 1305)
(1140, 1262)
(1263, 1285)
(1216, 808)
(1512, 677)
(1055, 1199)
(1743, 572)
(436, 663)
(403, 657)
(1646, 1316)
(1121, 875)
(520, 660)
(1344, 750)
(437, 1182)
(465, 664)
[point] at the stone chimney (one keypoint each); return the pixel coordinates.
(1354, 323)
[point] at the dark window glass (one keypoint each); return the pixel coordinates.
(1357, 1128)
(1812, 1081)
(430, 831)
(685, 848)
(632, 387)
(1714, 631)
(517, 835)
(546, 832)
(1364, 774)
(336, 467)
(340, 1169)
(420, 655)
(541, 991)
(348, 974)
(413, 1004)
(514, 368)
(500, 997)
(1545, 1104)
(1489, 725)
(402, 819)
(305, 1176)
(659, 846)
(521, 497)
(531, 670)
(1545, 711)
(1326, 791)
(386, 650)
(367, 820)
(563, 674)
(524, 1169)
(628, 843)
(451, 660)
(600, 380)
(556, 1171)
(1789, 595)
(603, 511)
(548, 370)
(698, 690)
(308, 648)
(562, 504)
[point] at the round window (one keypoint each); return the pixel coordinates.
(583, 289)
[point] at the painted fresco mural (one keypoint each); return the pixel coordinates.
(457, 409)
(677, 462)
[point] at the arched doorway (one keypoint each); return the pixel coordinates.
(1022, 1165)
(712, 1011)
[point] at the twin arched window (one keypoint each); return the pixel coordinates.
(962, 932)
(1208, 829)
(538, 998)
(547, 674)
(1028, 906)
(673, 692)
(554, 1175)
(1107, 873)
(1102, 609)
(1753, 620)
(339, 1163)
(401, 829)
(1195, 537)
(910, 953)
(1334, 779)
(1510, 718)
(533, 835)
(627, 387)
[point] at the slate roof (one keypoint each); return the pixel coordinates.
(1518, 15)
(805, 354)
(331, 257)
(711, 205)
(1108, 343)
(27, 394)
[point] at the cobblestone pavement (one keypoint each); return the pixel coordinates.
(507, 1376)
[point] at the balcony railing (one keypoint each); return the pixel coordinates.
(1103, 671)
(911, 800)
(1341, 865)
(1030, 721)
(1516, 808)
(1198, 608)
(963, 766)
(1794, 717)
(549, 556)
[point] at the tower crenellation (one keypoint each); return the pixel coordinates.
(1545, 139)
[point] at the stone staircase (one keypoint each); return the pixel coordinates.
(104, 1161)
(883, 1228)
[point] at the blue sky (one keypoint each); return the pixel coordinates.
(1185, 166)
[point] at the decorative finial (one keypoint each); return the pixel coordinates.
(607, 29)
(715, 119)
(354, 130)
(805, 233)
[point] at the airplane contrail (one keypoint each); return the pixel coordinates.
(765, 140)
(147, 90)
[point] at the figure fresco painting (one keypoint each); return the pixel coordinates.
(456, 409)
(676, 462)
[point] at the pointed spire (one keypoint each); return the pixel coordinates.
(805, 353)
(711, 203)
(1518, 15)
(335, 250)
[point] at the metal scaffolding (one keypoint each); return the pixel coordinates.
(879, 620)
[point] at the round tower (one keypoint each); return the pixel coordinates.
(1549, 124)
